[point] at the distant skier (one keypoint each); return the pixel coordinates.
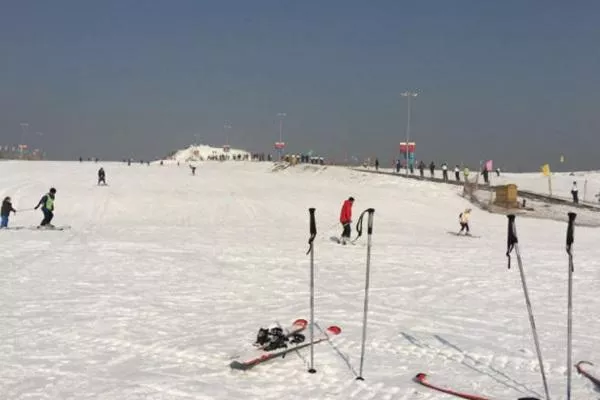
(575, 193)
(193, 168)
(432, 169)
(464, 221)
(101, 176)
(421, 168)
(377, 164)
(346, 219)
(445, 172)
(47, 203)
(457, 173)
(5, 212)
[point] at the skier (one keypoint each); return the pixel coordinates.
(432, 169)
(421, 168)
(464, 221)
(47, 203)
(346, 219)
(485, 174)
(457, 173)
(5, 212)
(101, 176)
(377, 164)
(575, 193)
(445, 172)
(193, 168)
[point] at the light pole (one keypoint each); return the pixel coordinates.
(281, 117)
(408, 95)
(227, 127)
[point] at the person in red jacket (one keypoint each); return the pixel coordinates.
(346, 219)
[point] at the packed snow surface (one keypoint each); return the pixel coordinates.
(164, 275)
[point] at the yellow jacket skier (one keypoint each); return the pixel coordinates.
(464, 221)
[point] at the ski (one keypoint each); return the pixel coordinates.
(592, 378)
(463, 235)
(264, 356)
(422, 379)
(45, 228)
(337, 240)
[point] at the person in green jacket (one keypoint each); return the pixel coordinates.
(47, 204)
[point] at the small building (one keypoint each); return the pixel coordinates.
(506, 196)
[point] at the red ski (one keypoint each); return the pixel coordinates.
(583, 372)
(422, 379)
(247, 363)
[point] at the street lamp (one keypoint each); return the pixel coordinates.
(280, 143)
(408, 95)
(227, 127)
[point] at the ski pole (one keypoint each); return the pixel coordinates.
(311, 250)
(570, 240)
(513, 243)
(371, 211)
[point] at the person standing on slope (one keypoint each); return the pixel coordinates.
(47, 203)
(464, 221)
(101, 176)
(346, 219)
(5, 212)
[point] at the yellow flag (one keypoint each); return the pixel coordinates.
(546, 169)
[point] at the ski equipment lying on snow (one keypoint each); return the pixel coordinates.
(422, 379)
(595, 381)
(245, 364)
(270, 339)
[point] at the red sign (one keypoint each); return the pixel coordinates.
(279, 145)
(411, 147)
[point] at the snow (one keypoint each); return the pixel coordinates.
(203, 152)
(164, 275)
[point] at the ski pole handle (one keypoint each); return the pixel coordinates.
(570, 232)
(371, 211)
(312, 228)
(511, 239)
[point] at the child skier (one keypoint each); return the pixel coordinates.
(464, 221)
(346, 219)
(5, 212)
(47, 203)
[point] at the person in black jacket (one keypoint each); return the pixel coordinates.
(101, 176)
(47, 203)
(5, 212)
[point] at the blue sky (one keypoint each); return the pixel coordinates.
(515, 81)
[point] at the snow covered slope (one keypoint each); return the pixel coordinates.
(204, 152)
(165, 275)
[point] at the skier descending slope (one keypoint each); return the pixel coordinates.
(464, 221)
(346, 219)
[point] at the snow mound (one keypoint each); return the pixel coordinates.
(204, 152)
